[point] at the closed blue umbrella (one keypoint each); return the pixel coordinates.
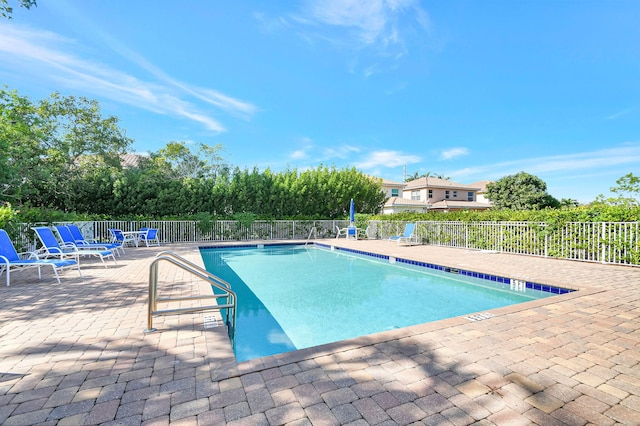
(352, 213)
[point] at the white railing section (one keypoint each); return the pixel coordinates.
(604, 242)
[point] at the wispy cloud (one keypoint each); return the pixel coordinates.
(342, 152)
(386, 159)
(569, 164)
(305, 146)
(453, 153)
(619, 114)
(381, 28)
(27, 51)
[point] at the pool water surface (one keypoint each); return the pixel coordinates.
(293, 297)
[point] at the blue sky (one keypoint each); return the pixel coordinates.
(471, 90)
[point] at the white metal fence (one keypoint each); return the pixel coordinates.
(605, 242)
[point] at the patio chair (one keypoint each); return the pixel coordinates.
(364, 233)
(11, 259)
(341, 231)
(68, 238)
(119, 237)
(149, 236)
(407, 235)
(52, 247)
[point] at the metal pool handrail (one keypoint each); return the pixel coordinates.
(196, 270)
(313, 231)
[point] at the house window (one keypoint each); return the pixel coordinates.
(470, 196)
(446, 194)
(455, 194)
(415, 195)
(394, 192)
(431, 193)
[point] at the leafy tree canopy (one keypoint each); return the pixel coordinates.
(181, 163)
(6, 10)
(521, 191)
(627, 192)
(417, 175)
(47, 148)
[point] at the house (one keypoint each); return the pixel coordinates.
(399, 205)
(482, 189)
(392, 189)
(430, 193)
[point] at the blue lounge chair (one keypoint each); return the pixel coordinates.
(68, 238)
(52, 247)
(119, 237)
(149, 236)
(11, 259)
(407, 236)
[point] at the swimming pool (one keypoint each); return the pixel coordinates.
(293, 297)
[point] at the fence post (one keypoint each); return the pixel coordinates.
(604, 243)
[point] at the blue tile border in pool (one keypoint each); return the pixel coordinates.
(243, 246)
(489, 277)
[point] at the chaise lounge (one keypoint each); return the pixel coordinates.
(11, 259)
(407, 236)
(52, 247)
(69, 239)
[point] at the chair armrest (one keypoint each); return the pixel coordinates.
(28, 255)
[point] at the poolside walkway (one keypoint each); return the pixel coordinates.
(75, 354)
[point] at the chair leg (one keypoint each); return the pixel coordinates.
(55, 272)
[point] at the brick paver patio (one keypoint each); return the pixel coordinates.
(75, 354)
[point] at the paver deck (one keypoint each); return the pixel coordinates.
(75, 354)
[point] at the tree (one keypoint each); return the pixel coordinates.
(627, 191)
(521, 191)
(569, 202)
(48, 147)
(416, 175)
(6, 10)
(180, 163)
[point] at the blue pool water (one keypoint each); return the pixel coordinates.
(293, 297)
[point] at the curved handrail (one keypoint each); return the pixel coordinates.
(314, 231)
(194, 266)
(196, 270)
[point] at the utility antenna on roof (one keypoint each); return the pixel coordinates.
(404, 173)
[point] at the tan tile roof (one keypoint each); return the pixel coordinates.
(393, 183)
(426, 182)
(449, 204)
(130, 160)
(398, 201)
(481, 185)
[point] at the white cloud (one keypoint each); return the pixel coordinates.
(367, 18)
(569, 164)
(299, 154)
(386, 159)
(619, 114)
(343, 152)
(305, 146)
(47, 56)
(453, 153)
(382, 28)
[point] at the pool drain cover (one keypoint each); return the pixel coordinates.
(480, 317)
